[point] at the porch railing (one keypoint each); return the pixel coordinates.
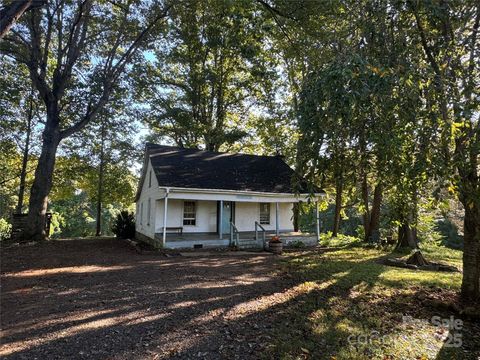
(234, 235)
(262, 229)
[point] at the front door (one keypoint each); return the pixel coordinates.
(227, 216)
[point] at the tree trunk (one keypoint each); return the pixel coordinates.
(374, 225)
(407, 231)
(26, 149)
(338, 207)
(407, 236)
(417, 259)
(42, 184)
(98, 231)
(366, 213)
(364, 186)
(471, 254)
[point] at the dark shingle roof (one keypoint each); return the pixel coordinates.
(193, 168)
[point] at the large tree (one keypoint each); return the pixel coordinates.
(76, 52)
(206, 75)
(448, 35)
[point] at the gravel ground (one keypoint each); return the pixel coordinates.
(99, 299)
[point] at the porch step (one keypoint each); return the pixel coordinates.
(249, 244)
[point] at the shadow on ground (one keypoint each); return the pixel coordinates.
(98, 299)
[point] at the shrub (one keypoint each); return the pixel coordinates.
(124, 225)
(326, 239)
(449, 233)
(297, 244)
(5, 229)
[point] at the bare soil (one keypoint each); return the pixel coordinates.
(100, 299)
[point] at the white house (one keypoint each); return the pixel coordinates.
(196, 198)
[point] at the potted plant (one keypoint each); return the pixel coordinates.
(275, 245)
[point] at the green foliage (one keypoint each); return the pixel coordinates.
(57, 222)
(5, 229)
(78, 55)
(349, 226)
(9, 166)
(204, 76)
(427, 227)
(448, 233)
(297, 244)
(75, 192)
(326, 239)
(75, 216)
(124, 225)
(75, 187)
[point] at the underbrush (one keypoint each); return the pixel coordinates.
(340, 240)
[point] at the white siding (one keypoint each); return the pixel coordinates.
(247, 213)
(206, 216)
(245, 216)
(147, 226)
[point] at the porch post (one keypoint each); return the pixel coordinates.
(220, 220)
(317, 220)
(165, 209)
(276, 218)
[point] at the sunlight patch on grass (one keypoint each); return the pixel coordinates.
(358, 290)
(436, 253)
(366, 299)
(406, 277)
(340, 274)
(347, 326)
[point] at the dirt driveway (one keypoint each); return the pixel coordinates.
(99, 299)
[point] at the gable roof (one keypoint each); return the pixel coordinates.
(200, 169)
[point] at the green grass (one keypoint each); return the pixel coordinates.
(346, 293)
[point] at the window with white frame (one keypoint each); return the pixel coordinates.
(264, 213)
(150, 179)
(189, 213)
(148, 211)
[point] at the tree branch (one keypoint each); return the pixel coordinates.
(9, 14)
(275, 10)
(111, 78)
(35, 63)
(74, 45)
(423, 39)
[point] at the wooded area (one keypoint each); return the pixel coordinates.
(375, 101)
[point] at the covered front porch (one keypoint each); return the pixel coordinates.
(199, 219)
